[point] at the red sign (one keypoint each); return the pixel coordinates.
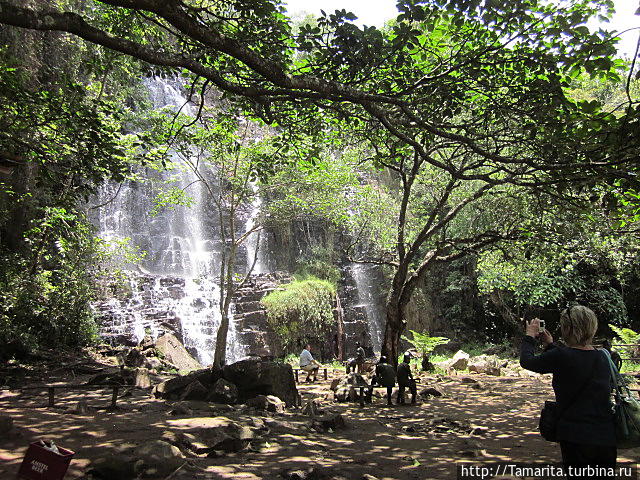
(42, 464)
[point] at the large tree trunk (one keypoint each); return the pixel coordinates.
(221, 341)
(393, 329)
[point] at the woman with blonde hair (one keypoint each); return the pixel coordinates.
(582, 385)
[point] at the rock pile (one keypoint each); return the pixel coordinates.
(348, 387)
(235, 383)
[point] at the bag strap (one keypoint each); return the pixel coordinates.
(621, 392)
(582, 388)
(619, 384)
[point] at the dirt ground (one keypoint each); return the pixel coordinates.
(425, 441)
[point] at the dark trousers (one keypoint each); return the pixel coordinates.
(577, 455)
(389, 391)
(370, 394)
(412, 388)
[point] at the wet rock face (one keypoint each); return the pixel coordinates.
(250, 316)
(139, 309)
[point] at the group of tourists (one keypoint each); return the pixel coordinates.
(385, 373)
(581, 420)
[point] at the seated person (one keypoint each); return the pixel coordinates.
(405, 379)
(385, 377)
(357, 364)
(309, 364)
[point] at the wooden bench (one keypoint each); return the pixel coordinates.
(296, 372)
(51, 389)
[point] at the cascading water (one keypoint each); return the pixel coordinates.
(177, 287)
(367, 285)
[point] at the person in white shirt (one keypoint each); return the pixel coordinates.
(308, 364)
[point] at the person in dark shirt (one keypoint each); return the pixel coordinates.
(582, 385)
(385, 377)
(405, 379)
(360, 358)
(615, 356)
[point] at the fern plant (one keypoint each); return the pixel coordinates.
(425, 343)
(627, 336)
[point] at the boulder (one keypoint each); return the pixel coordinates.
(215, 433)
(223, 391)
(112, 466)
(280, 426)
(488, 364)
(174, 352)
(460, 360)
(158, 458)
(348, 387)
(268, 403)
(430, 392)
(181, 408)
(172, 388)
(351, 379)
(333, 421)
(254, 376)
(312, 408)
(194, 391)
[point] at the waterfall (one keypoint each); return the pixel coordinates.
(367, 286)
(177, 287)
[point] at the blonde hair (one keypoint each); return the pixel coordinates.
(578, 325)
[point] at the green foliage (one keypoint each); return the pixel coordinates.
(45, 298)
(61, 125)
(321, 263)
(301, 311)
(628, 337)
(169, 199)
(425, 343)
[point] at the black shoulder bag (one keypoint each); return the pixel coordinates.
(551, 414)
(626, 410)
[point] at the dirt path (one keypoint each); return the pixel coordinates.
(425, 441)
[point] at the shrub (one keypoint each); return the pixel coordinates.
(301, 312)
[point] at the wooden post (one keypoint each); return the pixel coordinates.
(52, 394)
(114, 396)
(340, 333)
(325, 374)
